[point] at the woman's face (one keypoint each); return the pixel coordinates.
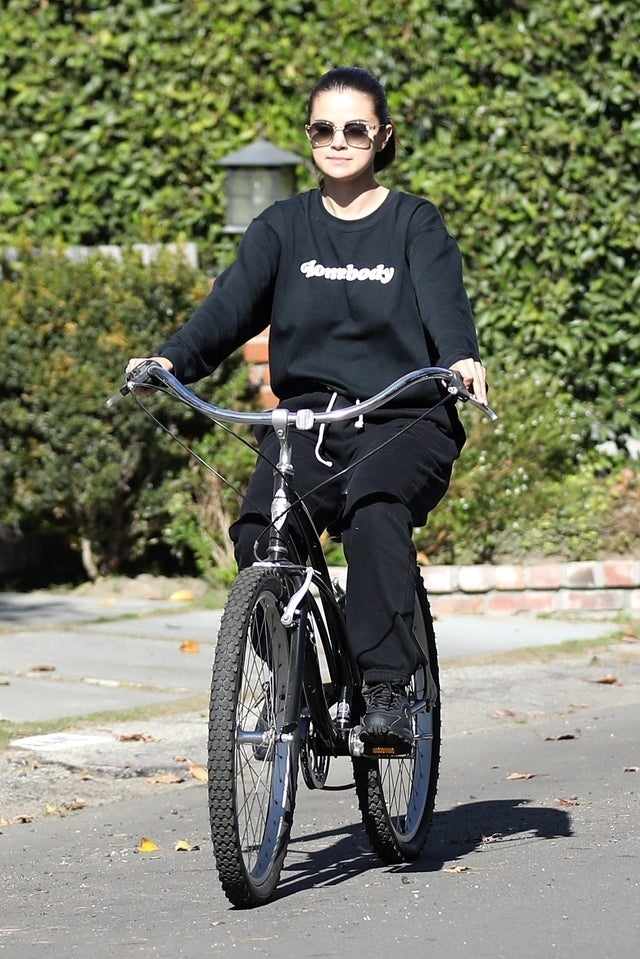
(338, 160)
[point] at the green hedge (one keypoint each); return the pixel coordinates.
(519, 119)
(99, 480)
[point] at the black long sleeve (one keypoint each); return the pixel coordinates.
(351, 304)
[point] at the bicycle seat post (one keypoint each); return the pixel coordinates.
(282, 476)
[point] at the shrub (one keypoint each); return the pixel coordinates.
(533, 485)
(94, 477)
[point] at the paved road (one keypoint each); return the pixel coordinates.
(531, 868)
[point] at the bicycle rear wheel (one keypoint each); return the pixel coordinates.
(397, 796)
(252, 767)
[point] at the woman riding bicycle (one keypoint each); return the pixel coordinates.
(358, 284)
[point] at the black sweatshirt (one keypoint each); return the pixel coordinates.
(351, 304)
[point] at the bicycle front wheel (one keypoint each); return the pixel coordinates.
(253, 763)
(397, 795)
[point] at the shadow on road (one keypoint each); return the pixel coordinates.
(345, 853)
(24, 612)
(459, 831)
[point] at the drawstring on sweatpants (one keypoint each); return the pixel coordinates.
(321, 432)
(358, 424)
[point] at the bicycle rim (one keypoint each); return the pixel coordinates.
(397, 796)
(252, 772)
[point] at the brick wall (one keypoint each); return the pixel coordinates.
(607, 587)
(256, 354)
(599, 589)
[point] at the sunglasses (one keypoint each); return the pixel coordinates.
(356, 133)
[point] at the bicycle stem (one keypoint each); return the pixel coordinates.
(283, 474)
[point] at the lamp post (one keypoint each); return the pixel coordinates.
(257, 176)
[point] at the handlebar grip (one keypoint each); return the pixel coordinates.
(139, 376)
(460, 391)
(124, 389)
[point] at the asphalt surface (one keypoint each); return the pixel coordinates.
(535, 846)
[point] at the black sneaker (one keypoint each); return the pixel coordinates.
(387, 718)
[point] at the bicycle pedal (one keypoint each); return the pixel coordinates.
(382, 750)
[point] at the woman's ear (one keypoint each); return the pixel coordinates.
(384, 134)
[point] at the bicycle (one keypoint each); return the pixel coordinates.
(285, 691)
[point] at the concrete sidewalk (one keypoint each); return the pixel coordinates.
(66, 656)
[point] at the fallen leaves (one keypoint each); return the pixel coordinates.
(560, 737)
(182, 596)
(562, 801)
(521, 776)
(167, 779)
(147, 845)
(61, 809)
(608, 680)
(189, 646)
(42, 668)
(183, 846)
(195, 771)
(631, 769)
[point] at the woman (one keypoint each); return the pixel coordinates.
(359, 285)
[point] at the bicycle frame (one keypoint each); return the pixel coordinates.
(305, 665)
(304, 668)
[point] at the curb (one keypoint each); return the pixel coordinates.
(607, 587)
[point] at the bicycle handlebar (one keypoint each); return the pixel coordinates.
(149, 373)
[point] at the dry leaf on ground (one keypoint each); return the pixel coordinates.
(631, 769)
(198, 772)
(146, 845)
(61, 809)
(189, 646)
(608, 680)
(520, 776)
(166, 778)
(183, 846)
(182, 596)
(562, 801)
(559, 738)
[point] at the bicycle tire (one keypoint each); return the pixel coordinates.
(252, 772)
(397, 796)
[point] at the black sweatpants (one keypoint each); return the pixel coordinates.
(387, 495)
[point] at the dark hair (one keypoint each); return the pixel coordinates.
(356, 78)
